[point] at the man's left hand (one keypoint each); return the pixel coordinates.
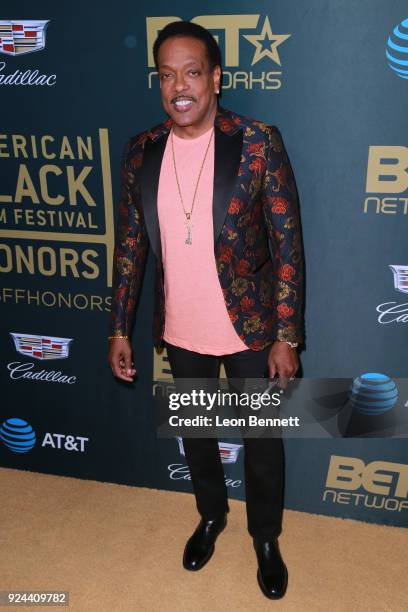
(282, 361)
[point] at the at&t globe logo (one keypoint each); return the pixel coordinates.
(17, 435)
(373, 393)
(397, 50)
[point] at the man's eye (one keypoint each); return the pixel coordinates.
(194, 72)
(164, 75)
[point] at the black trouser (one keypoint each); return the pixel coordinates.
(263, 459)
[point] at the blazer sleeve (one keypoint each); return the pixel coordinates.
(131, 245)
(281, 212)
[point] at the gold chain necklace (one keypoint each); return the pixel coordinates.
(189, 239)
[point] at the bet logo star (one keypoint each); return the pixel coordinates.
(272, 40)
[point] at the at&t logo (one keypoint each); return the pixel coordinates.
(19, 437)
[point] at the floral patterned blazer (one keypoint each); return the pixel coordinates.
(257, 236)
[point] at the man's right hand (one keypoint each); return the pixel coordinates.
(120, 359)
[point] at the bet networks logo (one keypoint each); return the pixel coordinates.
(379, 485)
(392, 312)
(387, 174)
(245, 41)
(163, 382)
(162, 372)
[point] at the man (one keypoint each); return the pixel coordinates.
(213, 194)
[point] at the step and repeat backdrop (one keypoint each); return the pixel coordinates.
(76, 81)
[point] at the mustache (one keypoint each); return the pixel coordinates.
(183, 98)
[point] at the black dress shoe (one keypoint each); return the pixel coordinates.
(200, 546)
(272, 572)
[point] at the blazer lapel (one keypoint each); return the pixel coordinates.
(150, 174)
(228, 149)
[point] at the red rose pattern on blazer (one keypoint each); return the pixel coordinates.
(262, 286)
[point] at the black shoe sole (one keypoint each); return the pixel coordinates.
(266, 593)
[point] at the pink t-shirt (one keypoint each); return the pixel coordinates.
(196, 316)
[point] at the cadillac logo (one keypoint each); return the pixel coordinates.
(18, 37)
(228, 452)
(400, 278)
(41, 347)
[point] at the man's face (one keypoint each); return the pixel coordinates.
(187, 85)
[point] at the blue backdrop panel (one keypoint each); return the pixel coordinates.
(333, 77)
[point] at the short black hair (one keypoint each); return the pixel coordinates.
(187, 28)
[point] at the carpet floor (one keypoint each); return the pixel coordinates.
(117, 548)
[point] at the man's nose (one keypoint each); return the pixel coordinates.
(179, 83)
